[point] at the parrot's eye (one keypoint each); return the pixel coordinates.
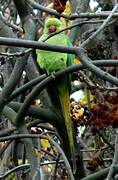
(52, 29)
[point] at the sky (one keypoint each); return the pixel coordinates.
(93, 4)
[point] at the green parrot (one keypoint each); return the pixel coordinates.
(52, 62)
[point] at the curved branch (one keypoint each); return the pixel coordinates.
(74, 50)
(26, 86)
(70, 174)
(37, 112)
(80, 23)
(18, 168)
(100, 174)
(100, 28)
(76, 67)
(97, 71)
(27, 166)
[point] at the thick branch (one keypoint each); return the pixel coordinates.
(22, 8)
(26, 86)
(34, 44)
(37, 112)
(81, 7)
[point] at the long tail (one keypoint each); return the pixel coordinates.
(65, 103)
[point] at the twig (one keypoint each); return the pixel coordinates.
(90, 31)
(101, 27)
(85, 147)
(11, 24)
(106, 159)
(56, 166)
(104, 139)
(23, 166)
(17, 54)
(51, 162)
(47, 152)
(47, 127)
(115, 159)
(69, 170)
(4, 147)
(86, 79)
(108, 88)
(73, 26)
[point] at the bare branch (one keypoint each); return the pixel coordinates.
(115, 159)
(100, 28)
(70, 174)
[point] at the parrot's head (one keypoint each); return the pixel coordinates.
(52, 25)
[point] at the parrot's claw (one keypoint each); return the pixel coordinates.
(53, 75)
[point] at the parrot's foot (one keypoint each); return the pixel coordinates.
(53, 75)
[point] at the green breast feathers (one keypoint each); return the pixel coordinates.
(54, 61)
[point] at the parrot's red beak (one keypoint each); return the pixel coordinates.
(52, 29)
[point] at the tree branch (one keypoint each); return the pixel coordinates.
(18, 68)
(115, 159)
(72, 16)
(100, 28)
(37, 112)
(60, 151)
(97, 71)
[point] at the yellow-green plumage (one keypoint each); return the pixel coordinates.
(54, 61)
(65, 103)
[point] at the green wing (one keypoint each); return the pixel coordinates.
(70, 57)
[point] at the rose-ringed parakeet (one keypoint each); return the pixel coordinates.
(51, 62)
